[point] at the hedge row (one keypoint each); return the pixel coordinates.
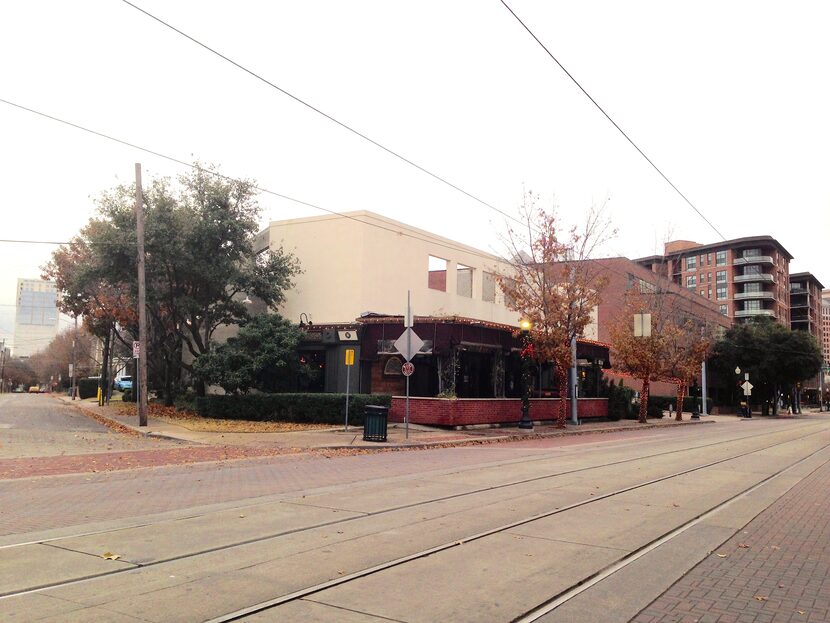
(661, 403)
(302, 408)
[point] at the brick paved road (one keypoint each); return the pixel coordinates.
(776, 570)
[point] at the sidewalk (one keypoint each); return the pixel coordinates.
(337, 438)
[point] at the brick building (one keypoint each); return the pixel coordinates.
(623, 274)
(745, 277)
(825, 338)
(805, 304)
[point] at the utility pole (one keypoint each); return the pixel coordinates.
(142, 312)
(3, 367)
(574, 385)
(73, 372)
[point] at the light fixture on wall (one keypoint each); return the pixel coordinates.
(306, 322)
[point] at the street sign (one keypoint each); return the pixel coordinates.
(350, 356)
(71, 370)
(136, 350)
(408, 368)
(409, 344)
(747, 387)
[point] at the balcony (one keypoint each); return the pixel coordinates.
(768, 296)
(765, 277)
(752, 259)
(753, 313)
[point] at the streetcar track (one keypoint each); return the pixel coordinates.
(284, 497)
(299, 594)
(424, 553)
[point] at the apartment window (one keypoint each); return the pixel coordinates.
(702, 258)
(752, 270)
(724, 309)
(752, 305)
(708, 259)
(437, 274)
(752, 288)
(488, 287)
(720, 293)
(710, 292)
(703, 293)
(752, 253)
(708, 277)
(691, 263)
(720, 258)
(464, 281)
(691, 281)
(720, 276)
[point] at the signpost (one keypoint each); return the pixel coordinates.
(349, 363)
(408, 345)
(136, 379)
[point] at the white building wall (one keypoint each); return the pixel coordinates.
(365, 262)
(36, 321)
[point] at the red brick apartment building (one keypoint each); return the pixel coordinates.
(825, 325)
(744, 277)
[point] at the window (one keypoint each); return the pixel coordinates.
(709, 277)
(710, 292)
(691, 281)
(720, 258)
(509, 301)
(691, 263)
(752, 288)
(752, 270)
(437, 274)
(752, 305)
(464, 281)
(702, 258)
(721, 293)
(703, 293)
(724, 309)
(37, 308)
(708, 259)
(720, 276)
(488, 287)
(752, 253)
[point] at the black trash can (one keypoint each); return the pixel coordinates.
(374, 422)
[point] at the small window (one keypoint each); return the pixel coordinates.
(721, 293)
(710, 292)
(691, 262)
(720, 276)
(703, 293)
(708, 259)
(708, 277)
(437, 274)
(720, 258)
(509, 300)
(488, 287)
(724, 309)
(691, 281)
(464, 281)
(393, 367)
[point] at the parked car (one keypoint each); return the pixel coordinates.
(125, 382)
(34, 389)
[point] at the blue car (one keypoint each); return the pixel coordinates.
(125, 382)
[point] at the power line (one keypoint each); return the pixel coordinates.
(607, 116)
(322, 113)
(433, 240)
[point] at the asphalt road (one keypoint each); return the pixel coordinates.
(485, 533)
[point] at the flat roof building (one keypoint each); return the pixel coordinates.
(36, 318)
(746, 277)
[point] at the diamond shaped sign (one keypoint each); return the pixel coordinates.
(414, 344)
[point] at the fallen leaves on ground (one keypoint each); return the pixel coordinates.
(760, 598)
(110, 556)
(743, 545)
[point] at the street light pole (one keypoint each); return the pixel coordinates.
(527, 372)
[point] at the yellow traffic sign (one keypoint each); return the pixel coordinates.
(350, 356)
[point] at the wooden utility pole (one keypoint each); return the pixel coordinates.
(142, 311)
(74, 371)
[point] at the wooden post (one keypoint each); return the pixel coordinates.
(142, 311)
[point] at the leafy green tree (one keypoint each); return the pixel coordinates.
(262, 356)
(200, 264)
(775, 357)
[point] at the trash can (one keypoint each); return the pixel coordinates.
(374, 422)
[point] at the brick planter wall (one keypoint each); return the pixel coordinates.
(470, 411)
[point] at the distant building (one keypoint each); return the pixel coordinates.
(825, 335)
(36, 317)
(805, 312)
(746, 277)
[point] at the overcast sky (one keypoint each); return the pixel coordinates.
(729, 99)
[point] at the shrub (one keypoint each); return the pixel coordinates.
(619, 402)
(301, 408)
(87, 388)
(128, 396)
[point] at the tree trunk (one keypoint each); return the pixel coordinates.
(644, 402)
(562, 373)
(681, 395)
(105, 362)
